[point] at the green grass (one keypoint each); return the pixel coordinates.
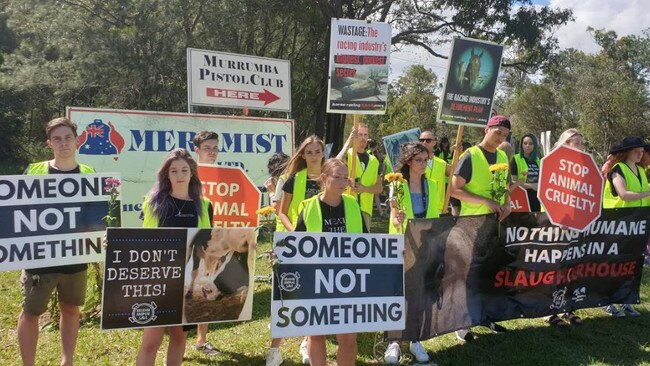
(601, 340)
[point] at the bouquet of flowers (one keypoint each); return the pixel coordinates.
(395, 190)
(498, 185)
(113, 188)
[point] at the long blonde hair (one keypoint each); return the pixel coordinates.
(566, 136)
(297, 162)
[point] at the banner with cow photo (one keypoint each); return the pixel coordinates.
(177, 276)
(331, 283)
(467, 271)
(54, 220)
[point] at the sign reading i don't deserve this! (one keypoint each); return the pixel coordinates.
(334, 283)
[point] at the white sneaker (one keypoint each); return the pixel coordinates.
(419, 352)
(303, 351)
(391, 356)
(274, 357)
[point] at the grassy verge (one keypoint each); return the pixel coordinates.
(601, 340)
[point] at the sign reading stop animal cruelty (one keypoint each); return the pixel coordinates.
(331, 283)
(570, 188)
(472, 75)
(173, 276)
(235, 198)
(220, 79)
(52, 220)
(358, 67)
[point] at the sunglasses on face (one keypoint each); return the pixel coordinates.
(427, 140)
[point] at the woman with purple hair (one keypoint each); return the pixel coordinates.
(176, 200)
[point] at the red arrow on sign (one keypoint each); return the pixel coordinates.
(266, 97)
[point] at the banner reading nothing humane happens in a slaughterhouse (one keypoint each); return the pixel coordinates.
(467, 271)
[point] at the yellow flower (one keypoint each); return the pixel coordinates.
(265, 211)
(498, 167)
(394, 177)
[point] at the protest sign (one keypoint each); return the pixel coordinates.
(358, 67)
(467, 271)
(472, 74)
(519, 200)
(135, 144)
(393, 144)
(229, 80)
(570, 188)
(331, 283)
(174, 276)
(52, 220)
(235, 198)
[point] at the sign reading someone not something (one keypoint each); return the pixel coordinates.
(220, 79)
(334, 283)
(52, 220)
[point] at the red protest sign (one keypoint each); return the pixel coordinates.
(234, 196)
(570, 188)
(519, 200)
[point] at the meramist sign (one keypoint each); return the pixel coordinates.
(332, 283)
(52, 220)
(220, 79)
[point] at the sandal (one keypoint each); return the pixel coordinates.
(556, 321)
(572, 318)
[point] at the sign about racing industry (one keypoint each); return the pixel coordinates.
(570, 188)
(472, 75)
(358, 67)
(235, 198)
(332, 283)
(53, 220)
(229, 80)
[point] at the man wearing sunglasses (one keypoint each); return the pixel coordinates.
(437, 169)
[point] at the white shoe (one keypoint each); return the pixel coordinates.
(274, 357)
(419, 352)
(391, 356)
(303, 352)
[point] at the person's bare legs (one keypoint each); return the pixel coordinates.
(176, 349)
(27, 337)
(201, 334)
(317, 350)
(69, 329)
(151, 340)
(346, 355)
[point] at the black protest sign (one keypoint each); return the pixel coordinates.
(175, 276)
(467, 271)
(329, 283)
(53, 220)
(472, 75)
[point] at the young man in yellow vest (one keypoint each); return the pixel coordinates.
(70, 281)
(437, 169)
(367, 178)
(472, 183)
(206, 147)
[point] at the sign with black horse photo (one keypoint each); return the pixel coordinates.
(175, 276)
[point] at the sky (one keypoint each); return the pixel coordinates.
(622, 16)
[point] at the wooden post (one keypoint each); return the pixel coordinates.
(454, 162)
(353, 163)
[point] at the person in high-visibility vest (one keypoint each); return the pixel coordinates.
(367, 178)
(443, 150)
(176, 200)
(524, 168)
(332, 211)
(301, 180)
(626, 187)
(39, 283)
(420, 200)
(474, 184)
(437, 168)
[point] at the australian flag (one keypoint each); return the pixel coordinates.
(100, 138)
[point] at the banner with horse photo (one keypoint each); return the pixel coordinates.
(472, 75)
(467, 271)
(177, 276)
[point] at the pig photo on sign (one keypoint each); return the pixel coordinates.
(217, 276)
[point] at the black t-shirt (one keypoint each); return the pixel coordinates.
(610, 177)
(181, 213)
(70, 269)
(464, 167)
(533, 170)
(364, 158)
(312, 189)
(333, 219)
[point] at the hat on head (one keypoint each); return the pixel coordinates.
(499, 120)
(629, 143)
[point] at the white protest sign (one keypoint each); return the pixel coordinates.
(220, 79)
(332, 283)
